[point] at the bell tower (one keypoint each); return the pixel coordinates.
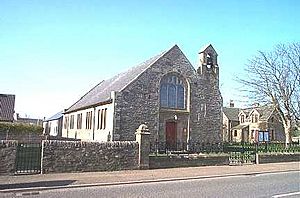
(208, 62)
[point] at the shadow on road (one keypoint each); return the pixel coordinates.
(37, 184)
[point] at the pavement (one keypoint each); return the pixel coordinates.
(23, 183)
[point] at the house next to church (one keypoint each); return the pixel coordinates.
(176, 101)
(260, 123)
(230, 119)
(53, 126)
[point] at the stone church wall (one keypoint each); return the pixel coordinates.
(139, 102)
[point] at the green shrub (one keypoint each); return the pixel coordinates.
(20, 128)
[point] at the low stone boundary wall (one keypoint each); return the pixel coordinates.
(8, 150)
(157, 162)
(76, 156)
(279, 157)
(22, 137)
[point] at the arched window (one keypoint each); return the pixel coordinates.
(172, 92)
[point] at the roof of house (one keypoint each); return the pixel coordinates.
(55, 116)
(102, 91)
(231, 113)
(246, 111)
(7, 106)
(265, 111)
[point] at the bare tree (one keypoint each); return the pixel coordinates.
(274, 78)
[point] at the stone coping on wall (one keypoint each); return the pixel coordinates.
(8, 143)
(82, 144)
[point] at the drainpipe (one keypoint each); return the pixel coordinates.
(188, 133)
(94, 123)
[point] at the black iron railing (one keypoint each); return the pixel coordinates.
(207, 147)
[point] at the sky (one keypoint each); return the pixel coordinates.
(53, 52)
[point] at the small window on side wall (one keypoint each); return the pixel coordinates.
(235, 133)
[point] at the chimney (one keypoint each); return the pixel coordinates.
(231, 103)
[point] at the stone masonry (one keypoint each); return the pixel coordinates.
(8, 150)
(139, 102)
(76, 156)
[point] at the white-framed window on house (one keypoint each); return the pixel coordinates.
(242, 118)
(88, 120)
(98, 120)
(104, 118)
(172, 92)
(66, 122)
(254, 118)
(79, 121)
(101, 122)
(72, 122)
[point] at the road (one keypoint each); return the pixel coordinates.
(285, 184)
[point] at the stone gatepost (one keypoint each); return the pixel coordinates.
(142, 136)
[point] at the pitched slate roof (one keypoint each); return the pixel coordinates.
(265, 112)
(55, 116)
(232, 113)
(7, 106)
(102, 91)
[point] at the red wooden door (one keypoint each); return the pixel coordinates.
(171, 135)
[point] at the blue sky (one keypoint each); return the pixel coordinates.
(53, 52)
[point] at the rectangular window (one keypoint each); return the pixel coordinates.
(98, 120)
(72, 122)
(104, 118)
(79, 121)
(235, 133)
(242, 118)
(252, 134)
(88, 120)
(255, 118)
(101, 119)
(66, 122)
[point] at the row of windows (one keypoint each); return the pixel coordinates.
(255, 133)
(254, 118)
(101, 122)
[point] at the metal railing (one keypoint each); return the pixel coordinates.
(207, 147)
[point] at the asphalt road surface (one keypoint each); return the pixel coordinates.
(285, 184)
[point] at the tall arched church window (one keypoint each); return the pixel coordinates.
(164, 95)
(172, 92)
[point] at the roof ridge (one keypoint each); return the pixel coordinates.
(156, 58)
(116, 83)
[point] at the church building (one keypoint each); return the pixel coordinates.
(176, 101)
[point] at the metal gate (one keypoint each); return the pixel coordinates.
(28, 159)
(239, 158)
(242, 155)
